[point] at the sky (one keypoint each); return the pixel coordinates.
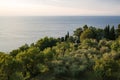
(59, 7)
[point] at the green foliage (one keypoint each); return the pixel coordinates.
(46, 42)
(89, 43)
(99, 34)
(8, 66)
(67, 36)
(87, 34)
(24, 47)
(49, 53)
(107, 32)
(112, 34)
(118, 31)
(14, 52)
(86, 55)
(30, 60)
(17, 76)
(85, 27)
(107, 69)
(71, 39)
(116, 46)
(78, 32)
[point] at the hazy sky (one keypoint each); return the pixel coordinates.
(59, 7)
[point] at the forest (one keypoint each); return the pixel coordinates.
(91, 53)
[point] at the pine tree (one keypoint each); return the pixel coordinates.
(67, 36)
(118, 31)
(107, 32)
(112, 33)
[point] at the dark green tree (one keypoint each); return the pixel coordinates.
(77, 33)
(46, 42)
(24, 47)
(112, 33)
(85, 27)
(62, 39)
(14, 52)
(118, 31)
(67, 36)
(107, 32)
(99, 34)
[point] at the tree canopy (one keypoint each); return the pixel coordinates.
(95, 57)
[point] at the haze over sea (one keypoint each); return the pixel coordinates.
(16, 31)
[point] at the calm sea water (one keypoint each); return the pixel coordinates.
(16, 31)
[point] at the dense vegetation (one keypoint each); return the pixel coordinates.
(90, 54)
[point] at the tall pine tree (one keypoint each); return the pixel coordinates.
(112, 35)
(107, 32)
(118, 31)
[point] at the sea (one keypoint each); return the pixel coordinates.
(16, 31)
